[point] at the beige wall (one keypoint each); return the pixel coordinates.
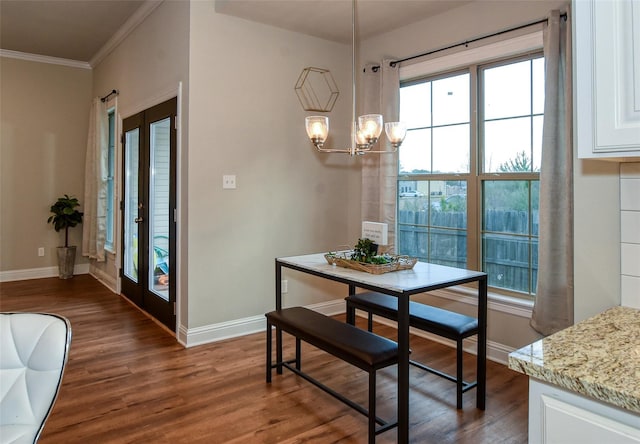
(240, 115)
(146, 69)
(44, 111)
(473, 20)
(596, 233)
(245, 119)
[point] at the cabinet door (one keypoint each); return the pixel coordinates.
(565, 423)
(607, 78)
(558, 416)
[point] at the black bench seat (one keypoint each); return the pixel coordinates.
(434, 320)
(358, 347)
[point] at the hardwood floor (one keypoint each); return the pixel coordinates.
(128, 380)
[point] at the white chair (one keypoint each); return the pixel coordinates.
(34, 348)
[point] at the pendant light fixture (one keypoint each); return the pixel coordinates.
(365, 130)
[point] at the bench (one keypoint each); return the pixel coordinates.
(448, 324)
(358, 347)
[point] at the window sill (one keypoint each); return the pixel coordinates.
(497, 302)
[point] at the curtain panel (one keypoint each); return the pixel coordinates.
(95, 186)
(553, 308)
(381, 86)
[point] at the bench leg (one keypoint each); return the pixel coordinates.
(278, 350)
(370, 322)
(298, 354)
(459, 375)
(372, 407)
(351, 314)
(268, 352)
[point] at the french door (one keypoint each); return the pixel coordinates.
(148, 211)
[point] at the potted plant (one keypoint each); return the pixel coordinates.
(65, 216)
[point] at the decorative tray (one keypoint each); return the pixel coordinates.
(343, 259)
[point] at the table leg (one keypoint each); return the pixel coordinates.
(481, 390)
(278, 286)
(351, 314)
(278, 307)
(403, 369)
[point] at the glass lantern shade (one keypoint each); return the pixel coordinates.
(396, 132)
(317, 128)
(370, 127)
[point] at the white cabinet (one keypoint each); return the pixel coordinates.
(557, 416)
(606, 51)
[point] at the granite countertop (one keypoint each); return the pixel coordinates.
(598, 357)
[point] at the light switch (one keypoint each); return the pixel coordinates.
(229, 181)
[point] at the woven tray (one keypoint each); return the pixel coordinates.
(341, 259)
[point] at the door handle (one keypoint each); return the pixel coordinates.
(138, 220)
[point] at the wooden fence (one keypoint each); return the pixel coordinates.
(507, 247)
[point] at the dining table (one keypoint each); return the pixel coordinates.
(403, 284)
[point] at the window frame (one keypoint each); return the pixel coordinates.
(523, 47)
(111, 167)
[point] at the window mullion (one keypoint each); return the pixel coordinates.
(473, 183)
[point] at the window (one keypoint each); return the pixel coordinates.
(111, 169)
(468, 178)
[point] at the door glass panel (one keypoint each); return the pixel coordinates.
(160, 168)
(131, 237)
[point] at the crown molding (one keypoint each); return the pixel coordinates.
(43, 59)
(138, 17)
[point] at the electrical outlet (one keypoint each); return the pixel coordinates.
(229, 181)
(41, 251)
(284, 285)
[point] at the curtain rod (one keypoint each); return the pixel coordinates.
(393, 63)
(114, 92)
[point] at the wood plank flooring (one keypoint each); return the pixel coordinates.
(128, 380)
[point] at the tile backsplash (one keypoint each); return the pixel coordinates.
(630, 234)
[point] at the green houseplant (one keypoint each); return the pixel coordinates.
(65, 216)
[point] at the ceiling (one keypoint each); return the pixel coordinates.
(331, 19)
(69, 29)
(78, 29)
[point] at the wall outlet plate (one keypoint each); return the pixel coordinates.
(229, 181)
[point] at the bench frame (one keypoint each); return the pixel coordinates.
(462, 386)
(370, 413)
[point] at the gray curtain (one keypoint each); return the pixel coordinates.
(553, 308)
(381, 89)
(95, 183)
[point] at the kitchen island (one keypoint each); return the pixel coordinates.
(585, 381)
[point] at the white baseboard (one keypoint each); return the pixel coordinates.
(225, 330)
(38, 273)
(104, 278)
(495, 351)
(190, 337)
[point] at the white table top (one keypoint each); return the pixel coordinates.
(422, 277)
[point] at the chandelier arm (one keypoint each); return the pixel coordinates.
(333, 150)
(391, 151)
